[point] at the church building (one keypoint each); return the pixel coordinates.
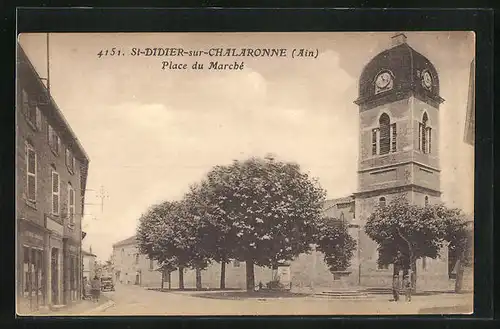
(398, 137)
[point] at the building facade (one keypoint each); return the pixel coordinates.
(51, 174)
(131, 267)
(89, 260)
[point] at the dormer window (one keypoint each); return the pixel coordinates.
(54, 141)
(70, 160)
(32, 112)
(381, 202)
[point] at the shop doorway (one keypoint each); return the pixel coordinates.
(33, 277)
(54, 274)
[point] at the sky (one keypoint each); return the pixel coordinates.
(150, 133)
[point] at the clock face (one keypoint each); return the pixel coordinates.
(383, 80)
(427, 79)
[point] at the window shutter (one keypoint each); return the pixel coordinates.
(31, 161)
(25, 100)
(374, 141)
(31, 174)
(420, 136)
(50, 134)
(31, 188)
(38, 119)
(429, 134)
(71, 208)
(393, 137)
(55, 193)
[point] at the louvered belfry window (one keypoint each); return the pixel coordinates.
(385, 133)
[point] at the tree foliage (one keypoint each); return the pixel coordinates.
(334, 240)
(169, 234)
(264, 210)
(406, 232)
(269, 208)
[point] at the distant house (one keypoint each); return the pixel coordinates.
(131, 267)
(88, 264)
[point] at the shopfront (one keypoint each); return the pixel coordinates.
(32, 278)
(71, 270)
(55, 273)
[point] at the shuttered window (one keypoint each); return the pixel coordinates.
(55, 193)
(30, 173)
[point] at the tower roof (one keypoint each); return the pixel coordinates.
(406, 65)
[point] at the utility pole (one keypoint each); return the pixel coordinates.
(102, 195)
(48, 65)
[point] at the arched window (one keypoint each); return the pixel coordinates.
(381, 202)
(384, 137)
(425, 134)
(426, 201)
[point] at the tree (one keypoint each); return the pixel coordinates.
(334, 240)
(267, 209)
(161, 235)
(461, 241)
(406, 232)
(213, 229)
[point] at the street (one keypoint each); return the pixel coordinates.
(134, 300)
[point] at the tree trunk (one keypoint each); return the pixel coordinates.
(198, 279)
(169, 280)
(250, 275)
(459, 277)
(181, 278)
(162, 279)
(414, 276)
(413, 267)
(223, 275)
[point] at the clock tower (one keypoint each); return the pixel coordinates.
(398, 140)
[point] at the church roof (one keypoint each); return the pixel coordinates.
(126, 242)
(333, 202)
(406, 65)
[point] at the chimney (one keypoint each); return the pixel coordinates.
(398, 39)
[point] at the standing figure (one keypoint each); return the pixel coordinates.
(96, 289)
(395, 287)
(407, 287)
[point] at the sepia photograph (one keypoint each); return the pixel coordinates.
(236, 174)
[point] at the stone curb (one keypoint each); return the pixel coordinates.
(101, 308)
